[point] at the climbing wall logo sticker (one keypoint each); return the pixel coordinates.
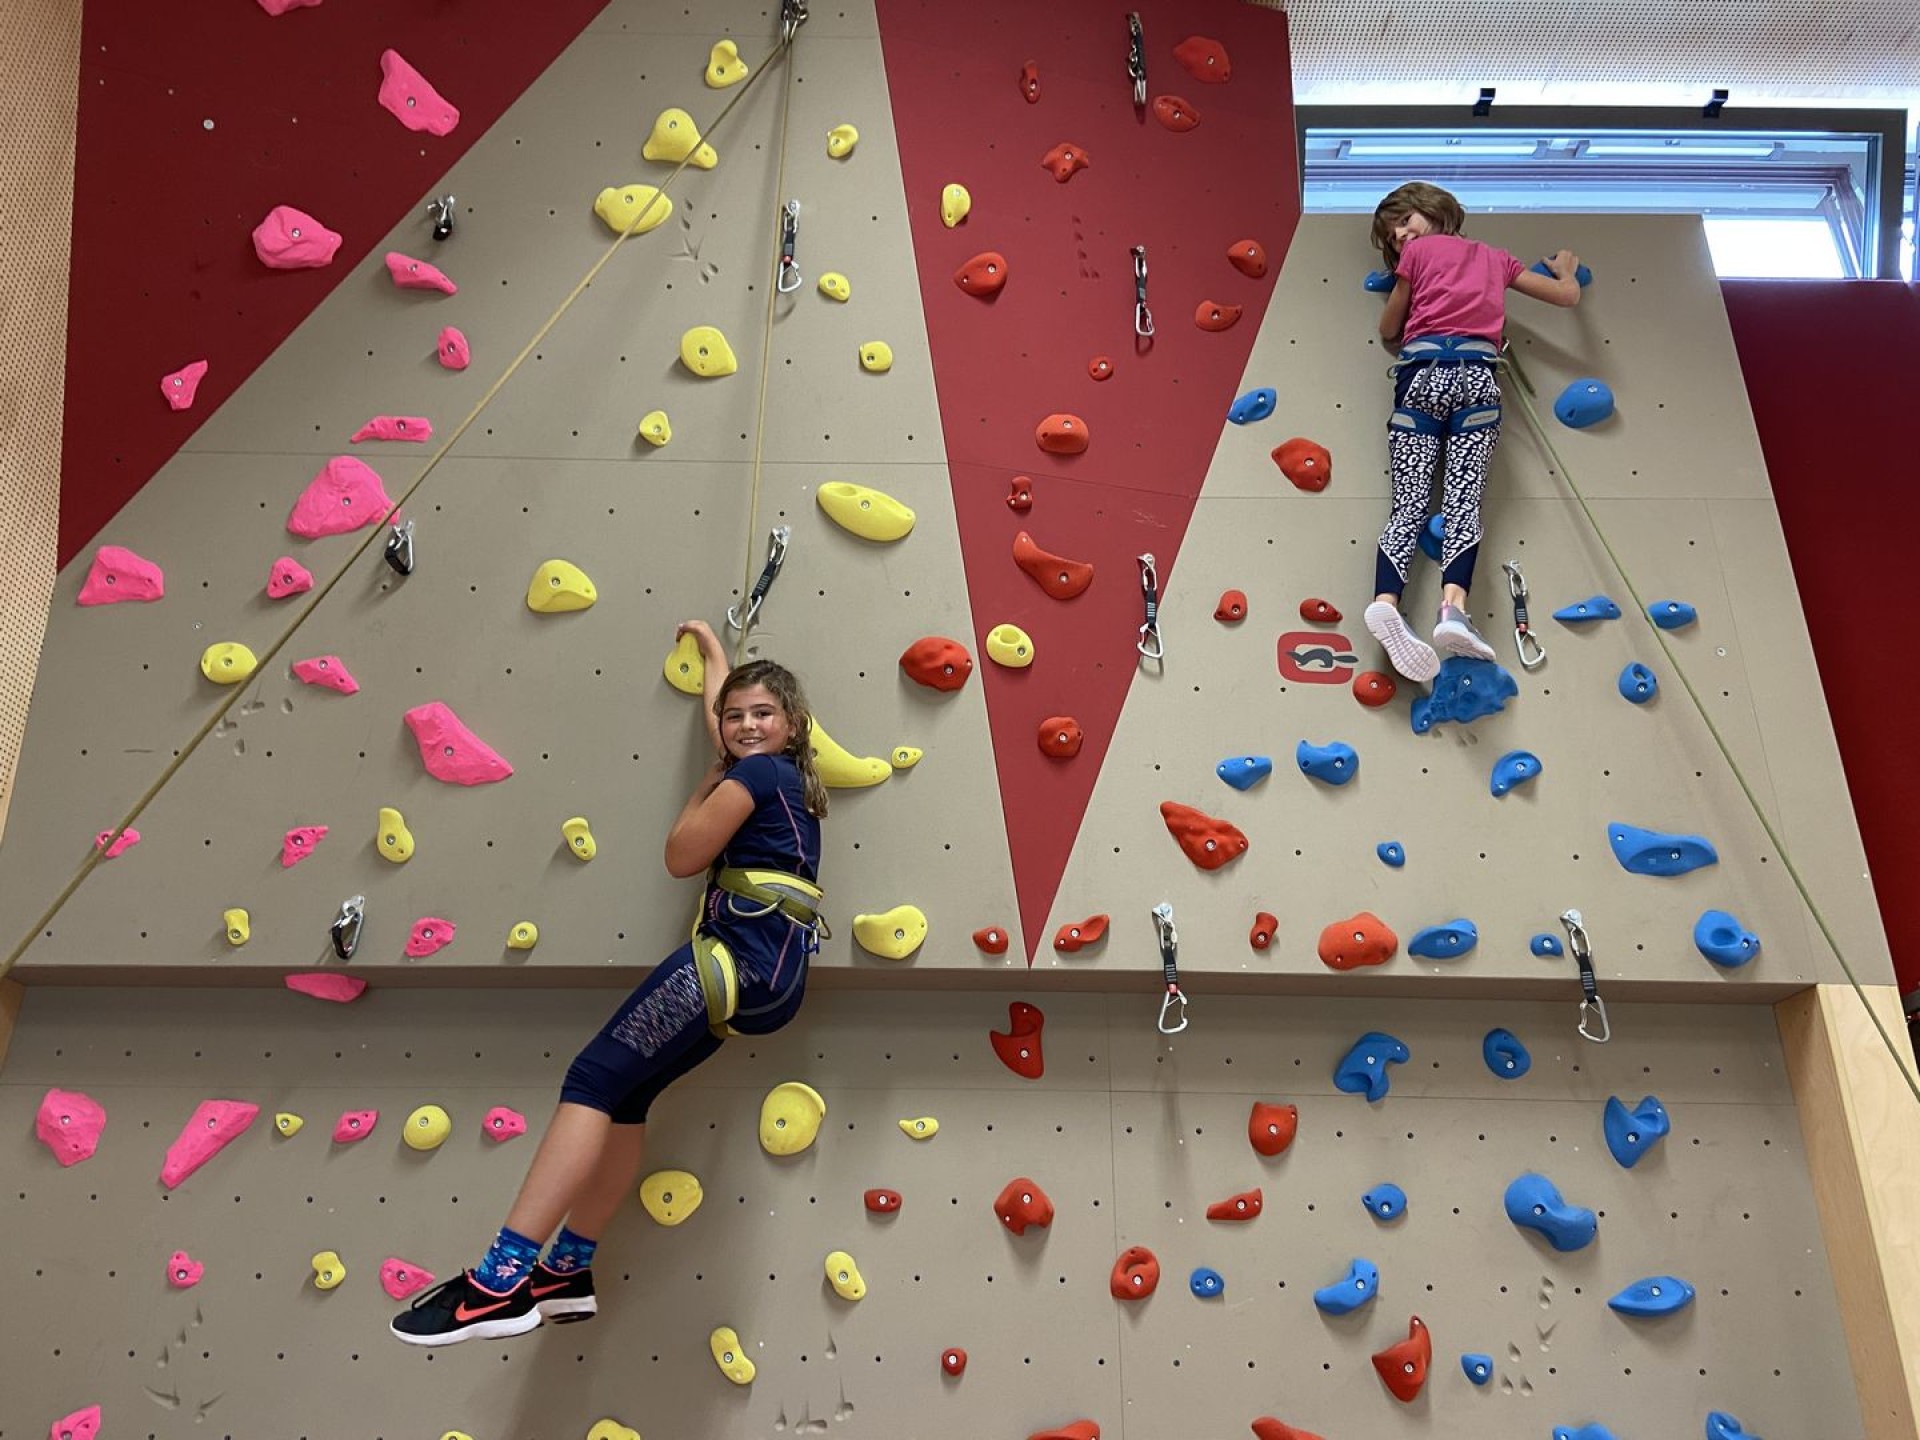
(1317, 657)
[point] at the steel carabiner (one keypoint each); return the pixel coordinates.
(788, 279)
(1170, 970)
(345, 930)
(1592, 1007)
(777, 540)
(1532, 652)
(1150, 644)
(1137, 60)
(1142, 316)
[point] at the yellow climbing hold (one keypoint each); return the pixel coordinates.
(724, 65)
(840, 141)
(838, 767)
(675, 138)
(905, 757)
(867, 513)
(610, 1429)
(655, 429)
(456, 1435)
(728, 1355)
(844, 1276)
(395, 840)
(523, 936)
(670, 1196)
(790, 1118)
(955, 202)
(1011, 646)
(876, 357)
(921, 1127)
(559, 586)
(686, 669)
(239, 927)
(288, 1124)
(632, 209)
(579, 838)
(427, 1128)
(704, 351)
(834, 286)
(227, 663)
(328, 1270)
(893, 934)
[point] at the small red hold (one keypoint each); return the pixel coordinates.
(290, 239)
(992, 940)
(329, 985)
(937, 662)
(1243, 1206)
(1373, 688)
(1318, 611)
(416, 428)
(354, 1125)
(453, 351)
(1078, 1430)
(1064, 161)
(882, 1202)
(1135, 1274)
(183, 1271)
(1069, 939)
(1100, 367)
(1271, 1127)
(1249, 257)
(1306, 464)
(1060, 737)
(1207, 841)
(1206, 60)
(1019, 1049)
(85, 1424)
(1232, 608)
(288, 577)
(983, 275)
(1214, 315)
(406, 95)
(1362, 939)
(129, 838)
(953, 1360)
(299, 843)
(1030, 84)
(1264, 925)
(180, 387)
(1020, 493)
(411, 274)
(1062, 434)
(1058, 576)
(428, 934)
(1022, 1203)
(1176, 114)
(327, 671)
(501, 1124)
(1268, 1428)
(1403, 1367)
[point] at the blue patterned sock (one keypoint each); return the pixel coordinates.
(570, 1252)
(507, 1260)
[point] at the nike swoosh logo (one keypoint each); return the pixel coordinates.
(540, 1290)
(463, 1314)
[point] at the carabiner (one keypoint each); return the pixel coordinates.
(777, 540)
(1142, 316)
(1150, 644)
(793, 14)
(788, 279)
(442, 212)
(345, 930)
(1532, 652)
(1174, 997)
(1592, 1007)
(1169, 969)
(1137, 60)
(400, 548)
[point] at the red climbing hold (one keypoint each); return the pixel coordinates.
(117, 574)
(1204, 59)
(1213, 315)
(81, 1424)
(1232, 608)
(953, 1360)
(1404, 1366)
(1243, 1206)
(1208, 842)
(1249, 257)
(1175, 113)
(1061, 434)
(1373, 687)
(1030, 82)
(1060, 737)
(1022, 1203)
(1020, 493)
(983, 275)
(354, 1125)
(1135, 1274)
(1306, 464)
(298, 843)
(213, 1125)
(1271, 1127)
(454, 353)
(1019, 1049)
(1091, 931)
(179, 388)
(346, 495)
(1264, 925)
(882, 1202)
(937, 662)
(1078, 1430)
(406, 95)
(993, 940)
(1100, 367)
(411, 274)
(290, 239)
(1268, 1428)
(1363, 939)
(1064, 160)
(1058, 576)
(1318, 611)
(288, 577)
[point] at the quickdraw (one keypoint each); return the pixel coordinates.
(1137, 60)
(400, 548)
(1150, 643)
(1532, 652)
(1170, 969)
(777, 540)
(788, 280)
(793, 14)
(1142, 316)
(345, 930)
(442, 212)
(1592, 1007)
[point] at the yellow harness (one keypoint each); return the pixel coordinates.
(713, 962)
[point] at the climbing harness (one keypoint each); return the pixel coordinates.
(1137, 60)
(1592, 1007)
(400, 548)
(788, 280)
(793, 14)
(1149, 643)
(1142, 317)
(1532, 652)
(795, 898)
(345, 930)
(442, 212)
(1170, 969)
(777, 540)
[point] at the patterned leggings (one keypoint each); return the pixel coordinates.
(1451, 407)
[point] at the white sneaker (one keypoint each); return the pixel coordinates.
(1411, 655)
(1454, 633)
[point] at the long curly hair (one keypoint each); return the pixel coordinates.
(1443, 212)
(784, 686)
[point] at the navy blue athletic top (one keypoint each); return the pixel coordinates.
(781, 833)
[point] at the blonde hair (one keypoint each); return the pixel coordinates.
(784, 686)
(1441, 210)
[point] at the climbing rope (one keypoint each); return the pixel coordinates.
(1746, 789)
(379, 534)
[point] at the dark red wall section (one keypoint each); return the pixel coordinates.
(1833, 373)
(163, 266)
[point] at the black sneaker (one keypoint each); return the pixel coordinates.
(563, 1298)
(458, 1309)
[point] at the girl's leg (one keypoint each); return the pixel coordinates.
(571, 1154)
(1474, 430)
(610, 1183)
(1413, 450)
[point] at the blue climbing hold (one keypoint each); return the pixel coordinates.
(1654, 852)
(1595, 1431)
(1377, 282)
(1243, 772)
(1516, 767)
(1432, 536)
(1534, 1204)
(1672, 614)
(1581, 273)
(1465, 690)
(1506, 1057)
(1724, 940)
(1444, 942)
(1334, 763)
(1206, 1284)
(1385, 1201)
(1391, 852)
(1360, 1284)
(1638, 684)
(1363, 1070)
(1585, 402)
(1544, 944)
(1655, 1295)
(1632, 1134)
(1478, 1368)
(1252, 406)
(1598, 607)
(1722, 1426)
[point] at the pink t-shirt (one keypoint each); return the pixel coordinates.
(1459, 287)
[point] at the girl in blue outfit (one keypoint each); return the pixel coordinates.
(753, 824)
(1446, 315)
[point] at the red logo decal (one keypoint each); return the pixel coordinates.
(1317, 657)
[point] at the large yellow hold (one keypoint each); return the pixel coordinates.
(955, 202)
(227, 663)
(838, 767)
(675, 138)
(834, 286)
(427, 1128)
(1011, 646)
(727, 1354)
(790, 1117)
(670, 1196)
(704, 351)
(876, 357)
(724, 65)
(686, 668)
(394, 840)
(845, 1276)
(559, 586)
(893, 934)
(632, 209)
(867, 513)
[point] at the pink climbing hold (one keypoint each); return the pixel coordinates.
(300, 842)
(345, 496)
(180, 387)
(400, 1278)
(290, 239)
(81, 1424)
(118, 574)
(454, 352)
(327, 671)
(501, 1123)
(213, 1126)
(281, 7)
(327, 985)
(416, 428)
(129, 838)
(450, 751)
(354, 1125)
(183, 1271)
(288, 577)
(69, 1124)
(405, 93)
(411, 274)
(429, 933)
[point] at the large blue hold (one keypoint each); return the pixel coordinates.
(1655, 1295)
(1545, 944)
(1632, 1134)
(1465, 690)
(1363, 1069)
(1534, 1204)
(1252, 406)
(1385, 1201)
(1391, 852)
(1595, 1431)
(1448, 941)
(1516, 767)
(1377, 282)
(1655, 852)
(1581, 274)
(1477, 1368)
(1672, 614)
(1360, 1284)
(1433, 535)
(1206, 1283)
(1595, 607)
(1722, 1426)
(1724, 940)
(1506, 1057)
(1638, 684)
(1334, 763)
(1243, 772)
(1585, 402)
